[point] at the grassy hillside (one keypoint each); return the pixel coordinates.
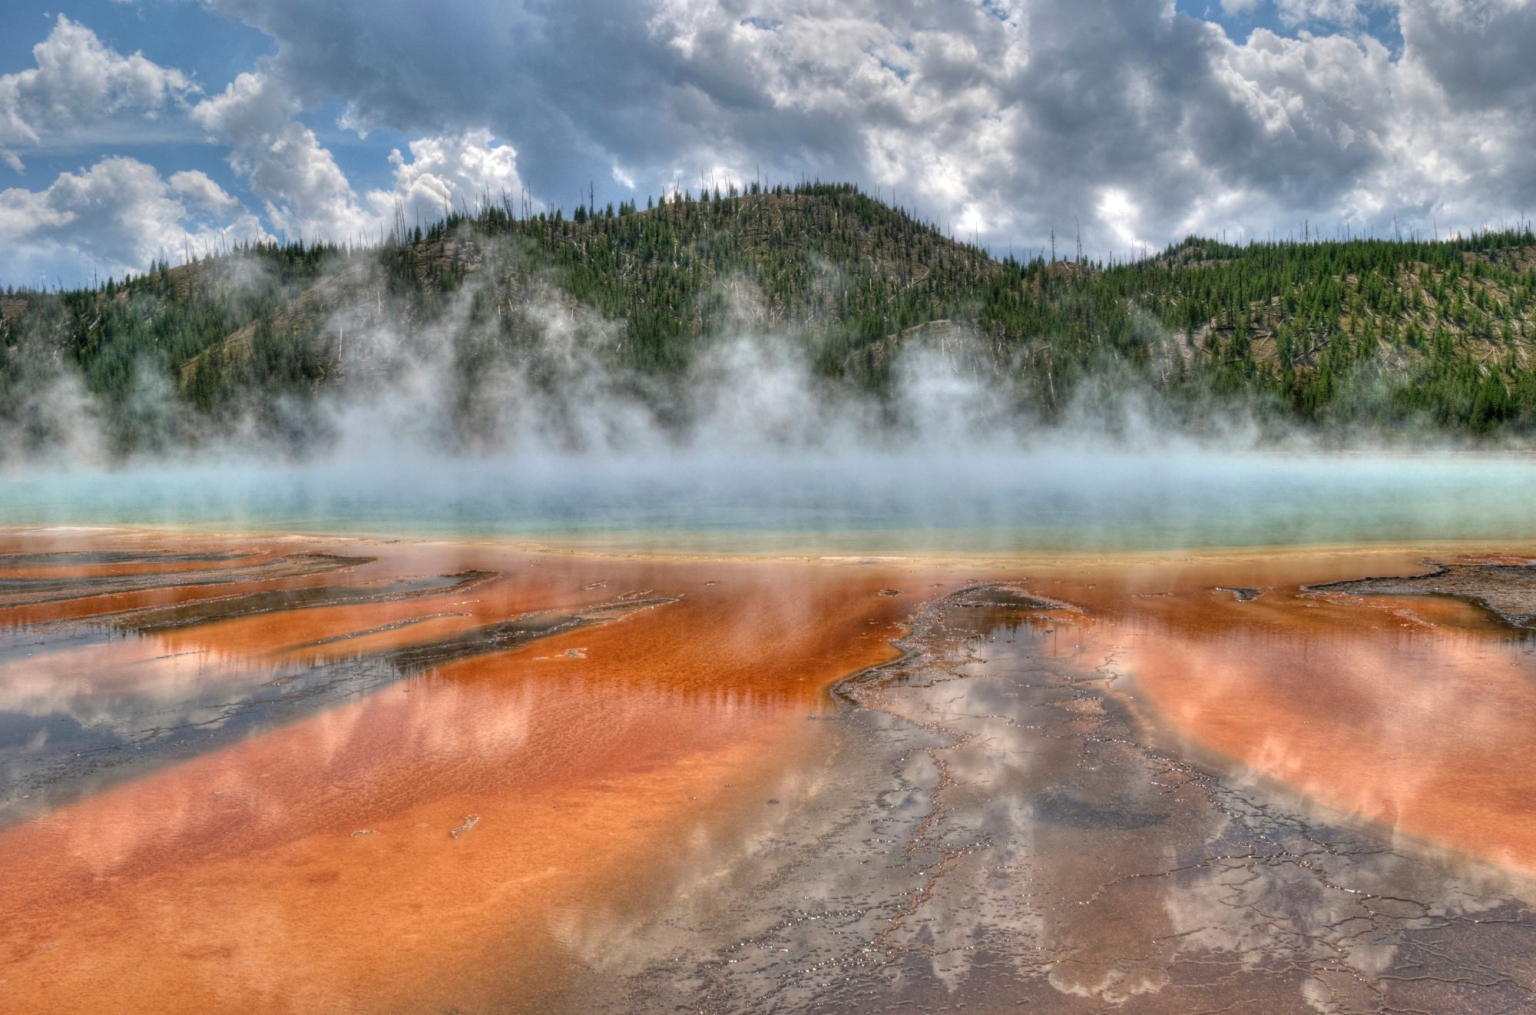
(1360, 333)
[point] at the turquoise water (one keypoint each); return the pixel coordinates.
(918, 503)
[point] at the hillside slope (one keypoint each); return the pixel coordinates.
(1364, 332)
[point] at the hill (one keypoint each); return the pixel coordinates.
(1362, 333)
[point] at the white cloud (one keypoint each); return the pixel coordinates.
(1002, 120)
(252, 107)
(1119, 213)
(203, 195)
(121, 214)
(1338, 12)
(115, 217)
(450, 172)
(79, 84)
(307, 195)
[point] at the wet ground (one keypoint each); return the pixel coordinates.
(441, 785)
(1022, 845)
(306, 775)
(1506, 587)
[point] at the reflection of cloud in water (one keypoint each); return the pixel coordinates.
(586, 759)
(1423, 729)
(93, 709)
(1016, 834)
(234, 806)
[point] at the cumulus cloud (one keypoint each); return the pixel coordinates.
(117, 216)
(1478, 51)
(1004, 120)
(1339, 12)
(77, 84)
(122, 214)
(307, 195)
(1001, 119)
(448, 172)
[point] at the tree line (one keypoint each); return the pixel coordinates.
(1361, 332)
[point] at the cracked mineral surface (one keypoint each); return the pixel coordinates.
(302, 775)
(1023, 841)
(1506, 588)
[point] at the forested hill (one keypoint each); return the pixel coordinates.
(1364, 333)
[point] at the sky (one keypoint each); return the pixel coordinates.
(132, 130)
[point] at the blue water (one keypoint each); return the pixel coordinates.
(910, 503)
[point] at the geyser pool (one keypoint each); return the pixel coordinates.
(931, 501)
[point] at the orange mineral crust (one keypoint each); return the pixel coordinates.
(540, 752)
(1410, 712)
(460, 837)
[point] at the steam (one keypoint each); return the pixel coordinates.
(506, 413)
(510, 366)
(749, 392)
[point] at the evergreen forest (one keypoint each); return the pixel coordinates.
(1365, 334)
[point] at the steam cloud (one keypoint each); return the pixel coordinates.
(465, 385)
(505, 413)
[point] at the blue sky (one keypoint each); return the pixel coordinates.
(183, 35)
(1378, 20)
(211, 48)
(141, 129)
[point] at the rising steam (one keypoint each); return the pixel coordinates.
(506, 413)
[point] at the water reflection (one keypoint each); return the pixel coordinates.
(1030, 838)
(1424, 706)
(472, 778)
(569, 742)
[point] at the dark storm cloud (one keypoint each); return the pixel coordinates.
(1480, 51)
